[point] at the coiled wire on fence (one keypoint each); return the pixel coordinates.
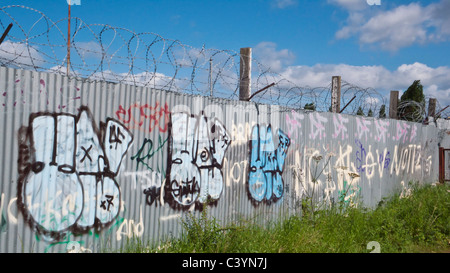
(101, 52)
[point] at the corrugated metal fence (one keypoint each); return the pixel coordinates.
(87, 165)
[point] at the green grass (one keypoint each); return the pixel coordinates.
(419, 223)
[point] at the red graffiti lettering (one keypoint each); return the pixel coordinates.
(145, 117)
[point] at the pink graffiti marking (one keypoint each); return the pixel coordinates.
(381, 130)
(339, 126)
(413, 133)
(317, 126)
(362, 127)
(401, 131)
(294, 124)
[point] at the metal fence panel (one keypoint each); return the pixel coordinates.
(87, 165)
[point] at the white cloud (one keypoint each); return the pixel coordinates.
(88, 50)
(441, 19)
(147, 79)
(442, 95)
(150, 79)
(62, 69)
(20, 55)
(282, 4)
(354, 20)
(396, 28)
(372, 100)
(435, 80)
(377, 77)
(350, 4)
(267, 54)
(320, 74)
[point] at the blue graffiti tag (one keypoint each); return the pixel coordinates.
(266, 164)
(360, 157)
(385, 159)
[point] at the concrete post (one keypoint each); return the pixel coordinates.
(393, 104)
(245, 74)
(336, 94)
(432, 107)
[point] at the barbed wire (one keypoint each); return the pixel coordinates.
(287, 93)
(101, 52)
(106, 53)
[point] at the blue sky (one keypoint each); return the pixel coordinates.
(385, 46)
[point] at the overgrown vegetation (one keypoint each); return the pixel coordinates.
(417, 223)
(412, 103)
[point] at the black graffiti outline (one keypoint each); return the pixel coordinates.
(86, 153)
(27, 163)
(272, 158)
(109, 200)
(172, 188)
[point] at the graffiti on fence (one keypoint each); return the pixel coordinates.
(145, 117)
(22, 96)
(381, 127)
(362, 128)
(147, 151)
(197, 147)
(362, 157)
(265, 182)
(340, 127)
(2, 217)
(317, 126)
(349, 193)
(67, 169)
(294, 125)
(150, 181)
(151, 177)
